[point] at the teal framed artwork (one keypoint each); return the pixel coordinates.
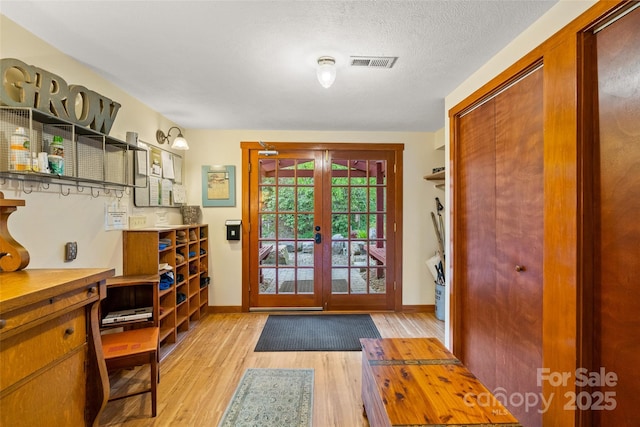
(218, 185)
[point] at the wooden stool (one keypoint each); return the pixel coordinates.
(132, 348)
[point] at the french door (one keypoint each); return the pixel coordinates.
(321, 227)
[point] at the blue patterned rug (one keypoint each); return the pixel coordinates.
(271, 398)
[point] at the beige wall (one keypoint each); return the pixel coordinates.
(557, 17)
(223, 147)
(51, 219)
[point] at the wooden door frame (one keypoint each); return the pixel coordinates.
(397, 148)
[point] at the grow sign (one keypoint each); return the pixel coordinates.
(25, 85)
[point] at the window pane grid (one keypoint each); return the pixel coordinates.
(358, 190)
(286, 218)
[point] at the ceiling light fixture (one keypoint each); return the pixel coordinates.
(326, 71)
(179, 143)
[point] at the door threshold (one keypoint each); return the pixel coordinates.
(285, 309)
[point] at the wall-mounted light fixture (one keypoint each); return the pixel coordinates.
(179, 143)
(326, 71)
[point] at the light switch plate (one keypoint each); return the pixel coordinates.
(70, 251)
(137, 221)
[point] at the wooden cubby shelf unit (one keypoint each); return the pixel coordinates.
(185, 248)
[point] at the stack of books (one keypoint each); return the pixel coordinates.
(142, 313)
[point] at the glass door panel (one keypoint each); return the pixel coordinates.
(286, 218)
(358, 218)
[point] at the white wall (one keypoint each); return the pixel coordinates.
(557, 17)
(50, 219)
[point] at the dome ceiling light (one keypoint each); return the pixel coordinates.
(326, 71)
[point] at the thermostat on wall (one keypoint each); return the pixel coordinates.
(233, 229)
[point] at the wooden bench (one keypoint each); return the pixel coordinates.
(379, 255)
(264, 252)
(417, 381)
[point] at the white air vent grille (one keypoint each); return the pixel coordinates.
(373, 61)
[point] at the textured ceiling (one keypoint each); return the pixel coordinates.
(251, 64)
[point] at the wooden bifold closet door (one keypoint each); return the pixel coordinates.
(617, 229)
(498, 240)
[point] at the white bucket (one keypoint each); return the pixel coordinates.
(440, 297)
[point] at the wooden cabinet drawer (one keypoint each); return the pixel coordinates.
(54, 397)
(19, 319)
(25, 353)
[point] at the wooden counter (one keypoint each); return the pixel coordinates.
(418, 382)
(52, 372)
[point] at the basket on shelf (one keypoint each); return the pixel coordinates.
(191, 214)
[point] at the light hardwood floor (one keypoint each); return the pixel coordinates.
(199, 377)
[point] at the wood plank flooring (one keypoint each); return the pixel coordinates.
(198, 379)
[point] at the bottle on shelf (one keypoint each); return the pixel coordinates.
(19, 156)
(56, 155)
(34, 162)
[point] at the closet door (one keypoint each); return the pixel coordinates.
(476, 248)
(519, 231)
(498, 241)
(617, 293)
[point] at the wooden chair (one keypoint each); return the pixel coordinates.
(133, 348)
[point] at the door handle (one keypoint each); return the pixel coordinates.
(318, 238)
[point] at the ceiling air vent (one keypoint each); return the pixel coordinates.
(373, 61)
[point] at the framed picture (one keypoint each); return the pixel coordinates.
(218, 185)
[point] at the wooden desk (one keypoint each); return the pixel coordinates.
(52, 372)
(418, 382)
